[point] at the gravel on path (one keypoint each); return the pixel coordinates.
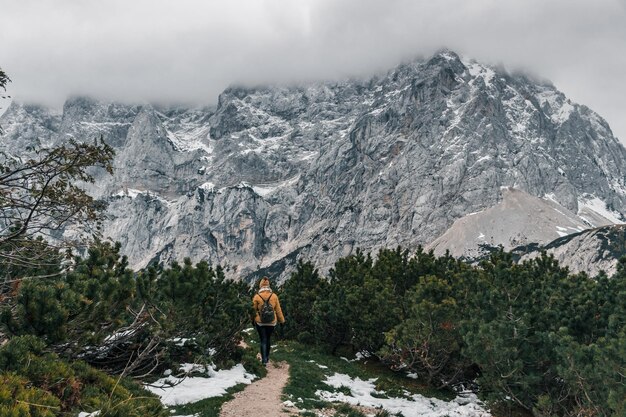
(262, 398)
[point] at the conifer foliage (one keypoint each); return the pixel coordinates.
(62, 314)
(298, 296)
(196, 304)
(117, 320)
(121, 321)
(37, 383)
(528, 336)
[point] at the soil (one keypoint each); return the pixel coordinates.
(262, 398)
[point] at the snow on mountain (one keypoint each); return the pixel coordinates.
(272, 174)
(595, 212)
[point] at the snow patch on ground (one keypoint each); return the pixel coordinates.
(359, 356)
(551, 197)
(618, 187)
(560, 107)
(466, 405)
(188, 144)
(134, 193)
(178, 391)
(118, 335)
(362, 355)
(563, 113)
(560, 232)
(307, 156)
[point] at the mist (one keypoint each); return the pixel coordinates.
(188, 51)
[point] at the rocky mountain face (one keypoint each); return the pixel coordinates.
(276, 173)
(520, 219)
(590, 251)
(591, 241)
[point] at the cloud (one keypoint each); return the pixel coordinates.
(190, 50)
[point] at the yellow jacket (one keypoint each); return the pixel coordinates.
(257, 303)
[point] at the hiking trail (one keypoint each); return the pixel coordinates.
(262, 397)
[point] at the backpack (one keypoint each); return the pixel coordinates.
(266, 314)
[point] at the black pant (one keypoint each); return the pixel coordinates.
(265, 332)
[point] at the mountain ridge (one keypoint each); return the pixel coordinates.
(320, 170)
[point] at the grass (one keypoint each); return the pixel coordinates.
(344, 410)
(309, 367)
(306, 377)
(210, 407)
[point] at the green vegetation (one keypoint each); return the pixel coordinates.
(536, 338)
(121, 322)
(528, 337)
(310, 365)
(136, 319)
(36, 383)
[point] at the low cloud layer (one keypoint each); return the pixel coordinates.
(189, 51)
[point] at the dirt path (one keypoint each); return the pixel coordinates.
(262, 398)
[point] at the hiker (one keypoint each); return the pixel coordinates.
(268, 313)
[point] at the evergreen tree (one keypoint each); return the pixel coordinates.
(429, 342)
(516, 316)
(378, 306)
(336, 314)
(594, 365)
(397, 269)
(197, 303)
(297, 298)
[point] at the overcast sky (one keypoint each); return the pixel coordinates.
(190, 50)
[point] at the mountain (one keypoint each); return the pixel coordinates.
(590, 251)
(275, 173)
(519, 220)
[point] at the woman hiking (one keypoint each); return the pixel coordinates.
(268, 313)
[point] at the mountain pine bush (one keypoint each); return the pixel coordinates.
(297, 298)
(197, 303)
(82, 306)
(36, 383)
(428, 341)
(528, 336)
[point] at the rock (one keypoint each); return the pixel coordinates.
(273, 174)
